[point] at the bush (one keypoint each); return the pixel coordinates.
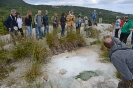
(23, 49)
(70, 42)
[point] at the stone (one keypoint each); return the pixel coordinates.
(63, 71)
(45, 77)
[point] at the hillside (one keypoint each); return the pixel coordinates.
(22, 7)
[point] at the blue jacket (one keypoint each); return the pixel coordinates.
(45, 20)
(78, 23)
(122, 58)
(94, 15)
(10, 22)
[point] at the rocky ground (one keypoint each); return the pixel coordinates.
(63, 68)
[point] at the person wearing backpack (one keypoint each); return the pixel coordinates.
(117, 26)
(87, 25)
(54, 20)
(126, 29)
(11, 24)
(19, 21)
(78, 23)
(46, 23)
(38, 19)
(63, 23)
(28, 23)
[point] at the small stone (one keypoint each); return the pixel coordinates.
(45, 77)
(62, 71)
(67, 56)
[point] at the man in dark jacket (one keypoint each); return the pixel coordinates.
(122, 58)
(46, 23)
(11, 24)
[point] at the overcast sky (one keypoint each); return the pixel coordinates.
(124, 6)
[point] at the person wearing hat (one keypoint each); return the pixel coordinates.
(117, 26)
(11, 24)
(122, 58)
(126, 29)
(78, 23)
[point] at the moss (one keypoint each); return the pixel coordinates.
(118, 75)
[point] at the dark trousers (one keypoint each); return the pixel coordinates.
(77, 30)
(63, 30)
(123, 37)
(21, 31)
(116, 33)
(132, 40)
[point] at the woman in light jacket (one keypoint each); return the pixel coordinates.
(19, 21)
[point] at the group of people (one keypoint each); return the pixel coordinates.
(126, 26)
(119, 53)
(14, 23)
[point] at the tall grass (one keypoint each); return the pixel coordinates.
(70, 42)
(39, 54)
(22, 50)
(94, 33)
(104, 52)
(31, 74)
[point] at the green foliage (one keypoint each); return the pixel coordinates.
(70, 42)
(104, 54)
(94, 33)
(97, 42)
(52, 39)
(118, 75)
(22, 50)
(39, 52)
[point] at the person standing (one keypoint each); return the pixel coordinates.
(100, 16)
(46, 23)
(87, 25)
(11, 24)
(117, 26)
(19, 21)
(63, 23)
(38, 19)
(70, 21)
(54, 20)
(126, 29)
(94, 16)
(28, 23)
(78, 23)
(122, 58)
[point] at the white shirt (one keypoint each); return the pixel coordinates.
(19, 21)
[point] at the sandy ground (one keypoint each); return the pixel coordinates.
(74, 62)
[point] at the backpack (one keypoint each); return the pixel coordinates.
(121, 23)
(89, 23)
